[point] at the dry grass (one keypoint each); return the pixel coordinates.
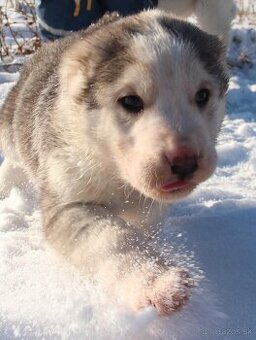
(13, 40)
(246, 11)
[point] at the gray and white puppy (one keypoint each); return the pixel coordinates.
(113, 124)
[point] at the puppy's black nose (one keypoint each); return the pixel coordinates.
(184, 167)
(183, 161)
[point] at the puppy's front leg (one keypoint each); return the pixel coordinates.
(117, 254)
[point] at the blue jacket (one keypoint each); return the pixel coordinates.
(58, 17)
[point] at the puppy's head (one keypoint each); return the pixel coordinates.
(149, 91)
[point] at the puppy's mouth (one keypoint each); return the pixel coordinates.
(176, 186)
(171, 190)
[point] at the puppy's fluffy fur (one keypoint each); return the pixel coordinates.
(102, 161)
(214, 16)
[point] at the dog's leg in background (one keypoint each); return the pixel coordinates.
(182, 8)
(215, 16)
(11, 175)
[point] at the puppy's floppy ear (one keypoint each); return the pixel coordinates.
(212, 52)
(73, 70)
(210, 48)
(78, 63)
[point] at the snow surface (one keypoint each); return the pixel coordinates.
(214, 230)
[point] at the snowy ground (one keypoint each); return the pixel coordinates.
(215, 228)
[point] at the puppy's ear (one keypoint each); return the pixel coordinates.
(75, 70)
(212, 53)
(78, 63)
(210, 47)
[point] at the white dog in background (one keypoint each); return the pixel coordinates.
(213, 16)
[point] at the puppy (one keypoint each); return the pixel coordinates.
(113, 124)
(214, 16)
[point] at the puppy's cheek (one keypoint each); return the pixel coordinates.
(207, 166)
(126, 162)
(133, 173)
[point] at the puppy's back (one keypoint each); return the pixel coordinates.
(37, 87)
(37, 81)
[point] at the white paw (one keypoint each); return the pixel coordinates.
(170, 291)
(167, 291)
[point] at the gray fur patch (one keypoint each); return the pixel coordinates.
(208, 48)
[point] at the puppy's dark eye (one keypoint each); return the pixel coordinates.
(202, 97)
(132, 104)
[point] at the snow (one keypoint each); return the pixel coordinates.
(213, 231)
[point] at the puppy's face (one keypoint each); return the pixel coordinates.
(154, 100)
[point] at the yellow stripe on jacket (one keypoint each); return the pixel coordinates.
(89, 5)
(77, 8)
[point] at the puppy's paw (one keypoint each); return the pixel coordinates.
(166, 290)
(170, 291)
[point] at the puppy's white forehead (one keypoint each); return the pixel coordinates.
(150, 53)
(171, 62)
